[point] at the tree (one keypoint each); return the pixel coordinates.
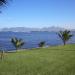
(1, 54)
(2, 2)
(18, 43)
(65, 36)
(41, 44)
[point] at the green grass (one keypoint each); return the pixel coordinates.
(59, 60)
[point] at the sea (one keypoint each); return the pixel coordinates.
(31, 39)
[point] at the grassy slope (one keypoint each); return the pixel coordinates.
(44, 61)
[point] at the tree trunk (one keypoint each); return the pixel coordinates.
(2, 54)
(16, 49)
(64, 42)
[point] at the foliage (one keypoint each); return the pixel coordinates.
(42, 43)
(65, 35)
(1, 54)
(2, 2)
(17, 42)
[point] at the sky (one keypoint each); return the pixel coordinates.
(38, 14)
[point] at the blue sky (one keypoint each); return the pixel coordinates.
(38, 13)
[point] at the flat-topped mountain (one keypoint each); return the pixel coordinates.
(26, 29)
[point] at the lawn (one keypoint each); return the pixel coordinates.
(58, 60)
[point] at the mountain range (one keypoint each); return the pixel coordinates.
(26, 29)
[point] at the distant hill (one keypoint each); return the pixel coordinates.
(25, 29)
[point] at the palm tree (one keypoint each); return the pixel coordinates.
(65, 36)
(2, 2)
(18, 43)
(41, 44)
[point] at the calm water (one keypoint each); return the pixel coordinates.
(31, 39)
